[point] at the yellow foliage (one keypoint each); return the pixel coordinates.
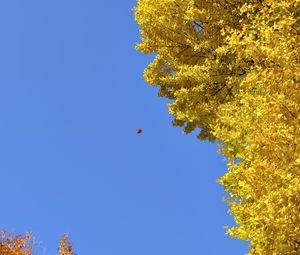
(231, 68)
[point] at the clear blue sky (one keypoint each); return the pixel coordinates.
(72, 96)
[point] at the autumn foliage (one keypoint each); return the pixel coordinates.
(231, 68)
(15, 245)
(23, 245)
(65, 247)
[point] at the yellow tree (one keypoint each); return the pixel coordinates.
(23, 245)
(231, 68)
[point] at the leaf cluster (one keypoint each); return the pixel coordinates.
(11, 244)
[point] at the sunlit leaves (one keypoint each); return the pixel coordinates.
(65, 247)
(15, 245)
(231, 68)
(23, 245)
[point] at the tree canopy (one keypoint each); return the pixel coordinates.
(231, 69)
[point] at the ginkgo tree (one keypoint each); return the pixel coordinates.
(231, 68)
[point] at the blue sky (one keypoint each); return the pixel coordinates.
(72, 96)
